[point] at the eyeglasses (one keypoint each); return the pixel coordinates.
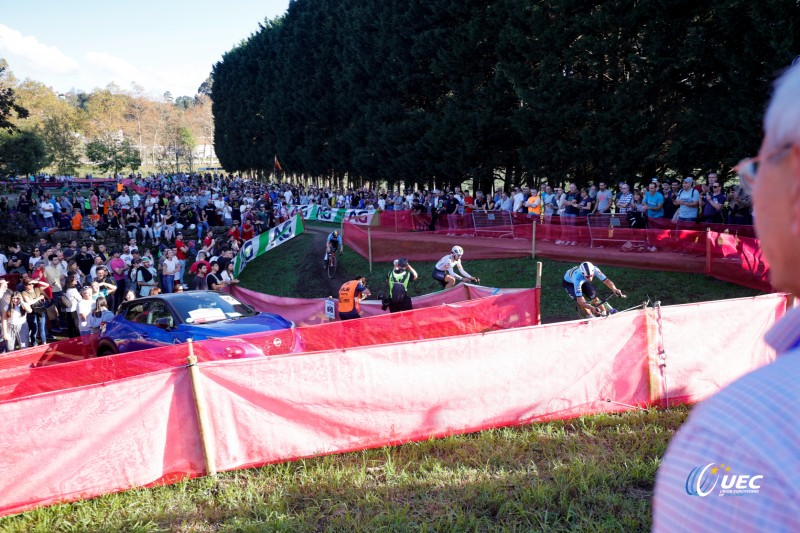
(747, 169)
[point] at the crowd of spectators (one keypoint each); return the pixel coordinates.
(168, 221)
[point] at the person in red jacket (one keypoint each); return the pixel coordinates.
(248, 230)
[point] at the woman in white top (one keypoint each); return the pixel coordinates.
(85, 307)
(15, 322)
(71, 312)
(228, 278)
(34, 259)
(227, 215)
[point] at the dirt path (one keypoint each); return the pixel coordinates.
(319, 235)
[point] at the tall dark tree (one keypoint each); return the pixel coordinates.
(440, 91)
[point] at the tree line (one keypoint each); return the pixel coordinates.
(437, 92)
(106, 130)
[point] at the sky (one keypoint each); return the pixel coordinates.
(166, 45)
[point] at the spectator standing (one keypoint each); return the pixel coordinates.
(569, 217)
(687, 201)
(181, 252)
(169, 270)
(199, 281)
(73, 298)
(603, 199)
(146, 277)
(739, 203)
(624, 200)
(670, 191)
(712, 203)
(15, 322)
(34, 296)
(654, 201)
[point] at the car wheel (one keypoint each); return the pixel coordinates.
(105, 350)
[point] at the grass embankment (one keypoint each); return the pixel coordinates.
(288, 271)
(594, 473)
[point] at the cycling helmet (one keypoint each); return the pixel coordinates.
(336, 233)
(402, 262)
(457, 250)
(587, 269)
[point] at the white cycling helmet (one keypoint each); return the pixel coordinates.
(457, 250)
(587, 269)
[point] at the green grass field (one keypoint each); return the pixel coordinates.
(289, 272)
(588, 474)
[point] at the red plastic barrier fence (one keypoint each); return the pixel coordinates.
(310, 311)
(265, 410)
(724, 255)
(509, 309)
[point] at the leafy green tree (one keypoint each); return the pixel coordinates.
(9, 107)
(22, 152)
(184, 102)
(111, 153)
(63, 145)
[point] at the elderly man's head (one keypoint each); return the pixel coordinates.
(776, 183)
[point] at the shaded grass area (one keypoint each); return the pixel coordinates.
(277, 273)
(593, 473)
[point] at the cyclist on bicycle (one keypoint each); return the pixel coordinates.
(578, 284)
(443, 271)
(332, 244)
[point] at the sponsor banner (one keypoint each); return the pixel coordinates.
(306, 212)
(333, 215)
(264, 242)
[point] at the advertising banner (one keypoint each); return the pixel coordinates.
(334, 215)
(264, 242)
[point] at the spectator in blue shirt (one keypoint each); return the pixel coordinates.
(654, 201)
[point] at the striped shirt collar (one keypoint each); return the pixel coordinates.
(785, 335)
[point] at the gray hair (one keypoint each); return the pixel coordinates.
(782, 120)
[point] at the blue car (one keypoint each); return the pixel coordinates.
(167, 319)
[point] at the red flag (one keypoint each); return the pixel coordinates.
(278, 165)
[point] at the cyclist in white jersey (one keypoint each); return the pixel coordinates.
(578, 284)
(443, 271)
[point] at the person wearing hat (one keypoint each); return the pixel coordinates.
(146, 277)
(687, 201)
(399, 278)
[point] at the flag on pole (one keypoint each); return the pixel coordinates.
(277, 164)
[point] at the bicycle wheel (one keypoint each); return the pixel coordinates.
(332, 266)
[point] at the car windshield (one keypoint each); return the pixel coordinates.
(204, 307)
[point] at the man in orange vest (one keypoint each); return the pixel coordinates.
(350, 295)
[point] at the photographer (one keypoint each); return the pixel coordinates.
(711, 204)
(399, 277)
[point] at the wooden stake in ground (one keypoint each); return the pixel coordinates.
(206, 437)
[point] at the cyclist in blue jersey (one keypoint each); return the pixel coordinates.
(332, 244)
(578, 284)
